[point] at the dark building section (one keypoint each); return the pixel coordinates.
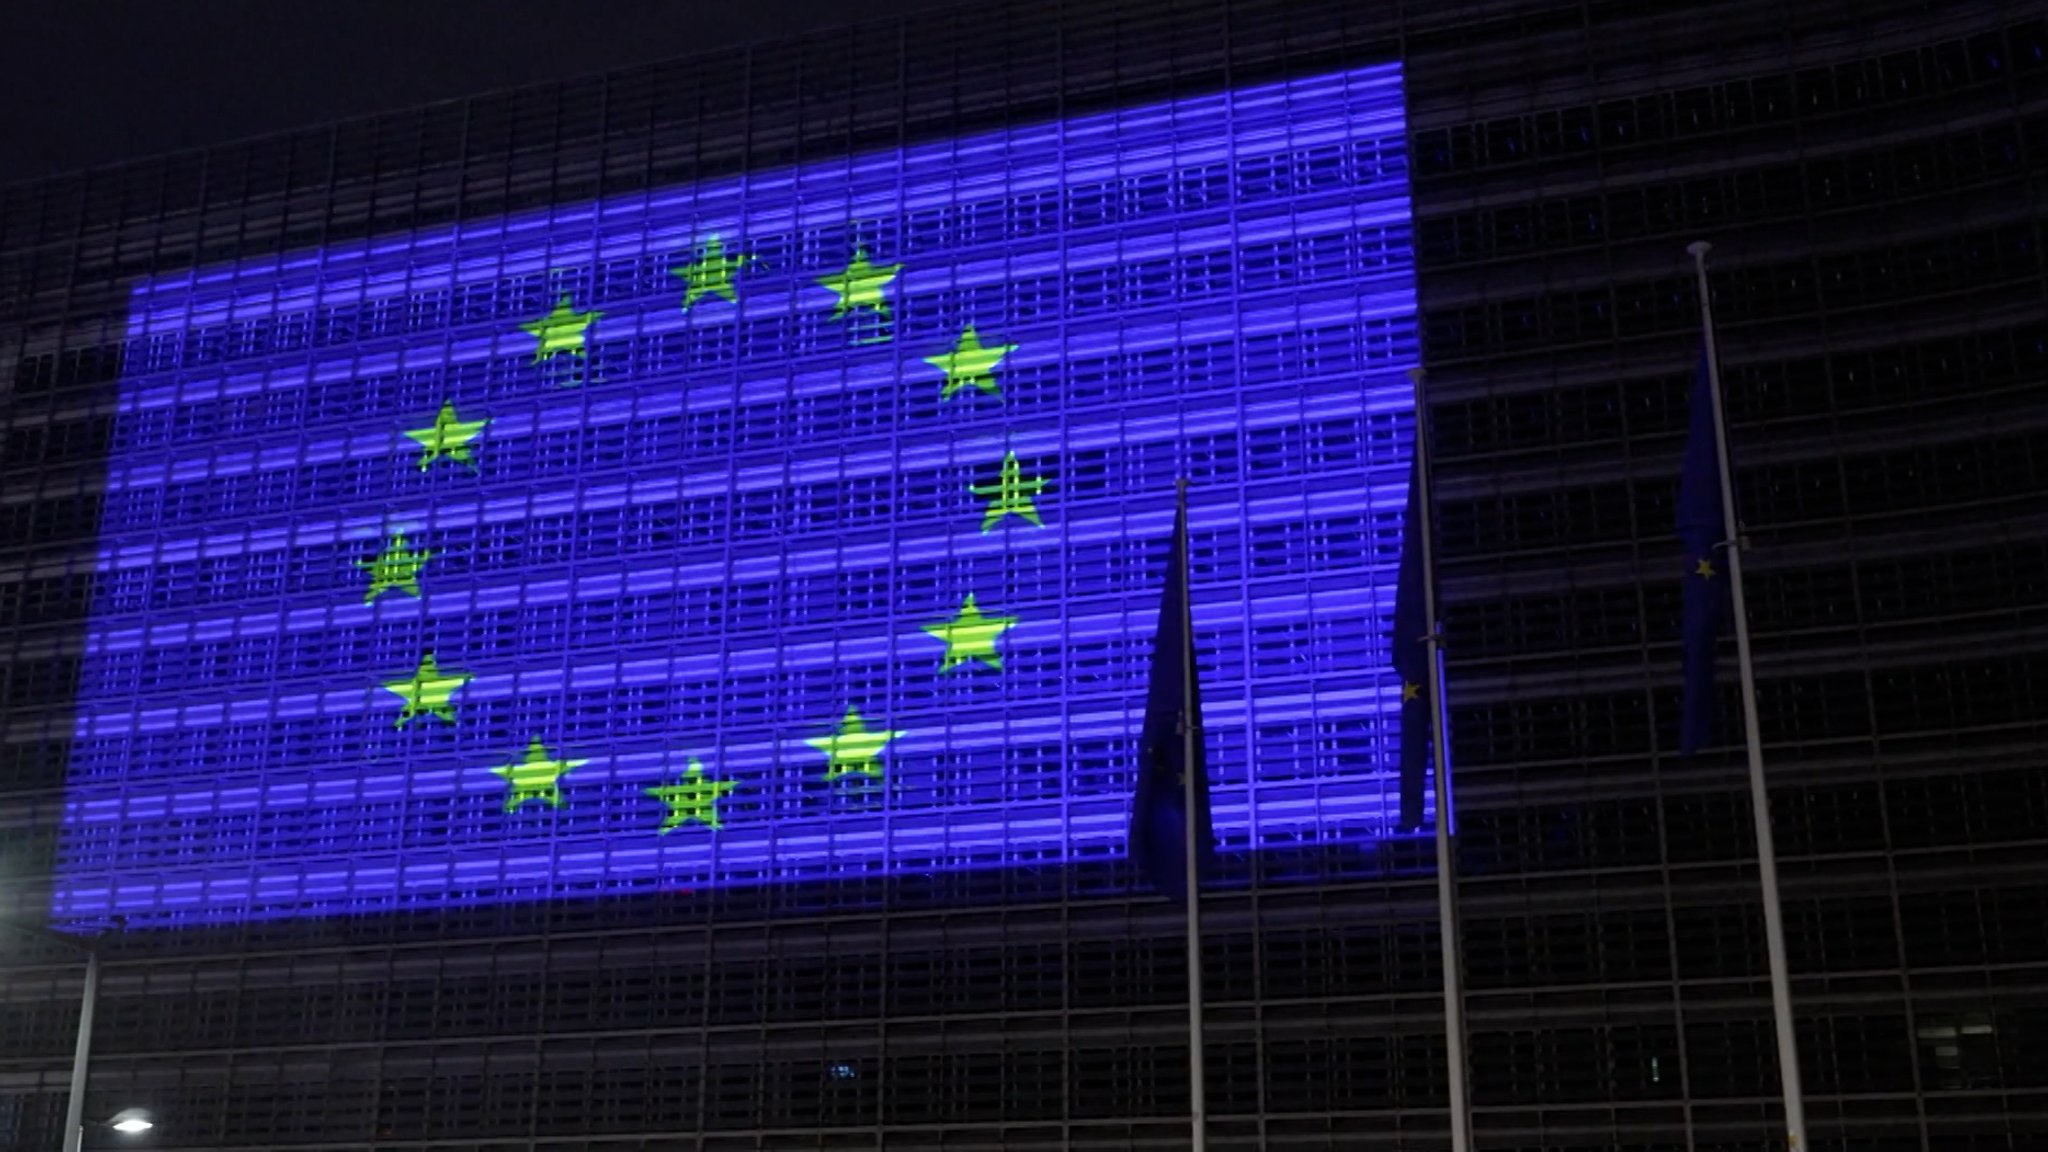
(1873, 177)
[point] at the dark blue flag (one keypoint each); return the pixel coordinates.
(1159, 823)
(1700, 532)
(1411, 655)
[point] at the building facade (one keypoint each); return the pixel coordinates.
(1872, 177)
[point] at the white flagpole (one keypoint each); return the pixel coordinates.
(1759, 797)
(1191, 735)
(1440, 765)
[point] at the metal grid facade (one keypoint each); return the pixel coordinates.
(1872, 176)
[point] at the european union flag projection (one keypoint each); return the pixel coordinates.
(772, 529)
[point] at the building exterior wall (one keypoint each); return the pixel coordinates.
(1873, 179)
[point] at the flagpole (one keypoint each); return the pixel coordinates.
(1440, 765)
(1759, 797)
(1190, 727)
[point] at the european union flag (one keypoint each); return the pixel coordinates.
(1160, 826)
(741, 534)
(1411, 654)
(1700, 531)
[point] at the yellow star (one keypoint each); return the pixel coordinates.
(711, 273)
(692, 799)
(397, 567)
(971, 636)
(428, 690)
(448, 439)
(1704, 569)
(1410, 691)
(861, 285)
(561, 330)
(538, 777)
(970, 362)
(853, 750)
(1010, 495)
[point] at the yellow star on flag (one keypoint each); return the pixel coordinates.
(562, 330)
(861, 285)
(395, 568)
(538, 777)
(1409, 691)
(428, 690)
(853, 750)
(971, 363)
(711, 273)
(692, 799)
(1010, 495)
(1704, 569)
(448, 439)
(971, 636)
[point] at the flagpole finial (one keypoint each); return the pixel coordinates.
(1699, 250)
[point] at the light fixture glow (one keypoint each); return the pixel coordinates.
(132, 1121)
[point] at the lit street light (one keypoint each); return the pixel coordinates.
(129, 1121)
(132, 1121)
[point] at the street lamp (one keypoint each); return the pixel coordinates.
(130, 1121)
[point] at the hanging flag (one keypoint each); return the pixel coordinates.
(1166, 757)
(1700, 531)
(1411, 651)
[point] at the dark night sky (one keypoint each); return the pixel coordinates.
(90, 82)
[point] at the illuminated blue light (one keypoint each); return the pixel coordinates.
(743, 523)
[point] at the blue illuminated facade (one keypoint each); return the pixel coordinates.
(790, 526)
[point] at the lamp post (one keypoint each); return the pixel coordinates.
(74, 1110)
